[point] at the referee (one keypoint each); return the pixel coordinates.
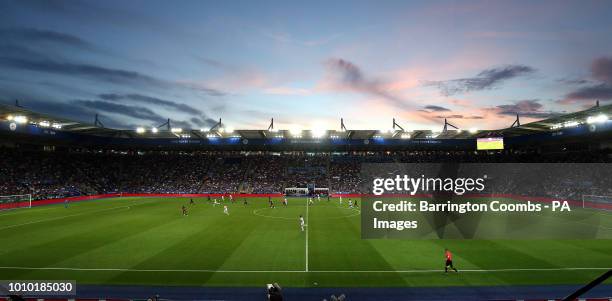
(449, 261)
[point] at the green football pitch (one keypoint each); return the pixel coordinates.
(147, 241)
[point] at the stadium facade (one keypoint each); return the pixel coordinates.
(584, 130)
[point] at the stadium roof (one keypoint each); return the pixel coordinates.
(11, 112)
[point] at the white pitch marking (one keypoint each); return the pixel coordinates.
(307, 221)
(299, 271)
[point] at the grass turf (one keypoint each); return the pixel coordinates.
(147, 241)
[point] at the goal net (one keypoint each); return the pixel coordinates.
(15, 201)
(603, 202)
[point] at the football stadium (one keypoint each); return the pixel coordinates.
(119, 184)
(103, 206)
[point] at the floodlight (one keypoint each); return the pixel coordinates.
(318, 133)
(176, 130)
(44, 124)
(9, 117)
(295, 132)
(154, 130)
(569, 124)
(140, 130)
(229, 130)
(405, 136)
(56, 125)
(473, 130)
(20, 119)
(601, 118)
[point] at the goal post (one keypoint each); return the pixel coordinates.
(15, 201)
(603, 202)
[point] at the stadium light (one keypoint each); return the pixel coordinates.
(569, 124)
(405, 136)
(57, 126)
(10, 117)
(601, 118)
(318, 133)
(154, 130)
(176, 130)
(140, 130)
(44, 124)
(229, 130)
(296, 132)
(473, 130)
(20, 119)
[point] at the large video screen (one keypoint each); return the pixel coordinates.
(490, 143)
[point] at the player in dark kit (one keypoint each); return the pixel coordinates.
(191, 202)
(245, 202)
(449, 261)
(184, 209)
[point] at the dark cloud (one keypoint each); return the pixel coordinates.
(569, 81)
(83, 110)
(203, 122)
(19, 51)
(95, 12)
(117, 76)
(531, 108)
(347, 75)
(590, 93)
(33, 35)
(153, 101)
(199, 120)
(200, 88)
(459, 116)
(120, 109)
(63, 110)
(436, 108)
(485, 80)
(601, 70)
(23, 58)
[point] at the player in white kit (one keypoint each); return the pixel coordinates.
(302, 224)
(225, 210)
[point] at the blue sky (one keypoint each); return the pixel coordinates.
(307, 64)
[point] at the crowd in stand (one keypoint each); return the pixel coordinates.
(61, 174)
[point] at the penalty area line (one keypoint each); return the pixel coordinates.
(296, 271)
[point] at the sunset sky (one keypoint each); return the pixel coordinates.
(306, 63)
